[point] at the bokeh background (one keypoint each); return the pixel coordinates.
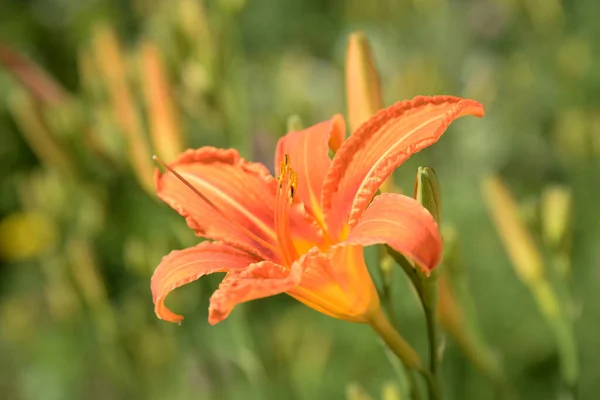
(90, 89)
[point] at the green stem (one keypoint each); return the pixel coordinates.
(560, 322)
(406, 376)
(567, 350)
(428, 293)
(433, 385)
(427, 288)
(432, 377)
(432, 339)
(415, 393)
(394, 340)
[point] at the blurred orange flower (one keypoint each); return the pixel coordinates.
(303, 233)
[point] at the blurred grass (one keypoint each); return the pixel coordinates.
(80, 236)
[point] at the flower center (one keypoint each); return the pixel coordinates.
(288, 181)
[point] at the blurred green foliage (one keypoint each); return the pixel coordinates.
(80, 231)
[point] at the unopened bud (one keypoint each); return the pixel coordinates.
(556, 216)
(363, 90)
(165, 130)
(112, 65)
(427, 191)
(518, 242)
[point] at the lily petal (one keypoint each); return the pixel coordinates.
(379, 146)
(402, 223)
(308, 153)
(259, 280)
(181, 267)
(243, 192)
(320, 286)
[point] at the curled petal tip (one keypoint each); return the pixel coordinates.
(181, 267)
(473, 108)
(380, 145)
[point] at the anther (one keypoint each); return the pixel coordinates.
(287, 173)
(293, 184)
(285, 199)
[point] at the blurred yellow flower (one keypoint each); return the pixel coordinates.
(26, 235)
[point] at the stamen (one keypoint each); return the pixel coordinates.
(214, 206)
(293, 184)
(288, 180)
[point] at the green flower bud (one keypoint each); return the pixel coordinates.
(427, 191)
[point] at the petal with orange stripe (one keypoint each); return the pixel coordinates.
(403, 224)
(242, 196)
(379, 146)
(181, 267)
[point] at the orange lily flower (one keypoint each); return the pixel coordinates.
(303, 233)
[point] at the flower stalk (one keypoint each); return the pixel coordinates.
(426, 288)
(405, 352)
(427, 193)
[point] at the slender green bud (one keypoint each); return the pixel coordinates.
(427, 191)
